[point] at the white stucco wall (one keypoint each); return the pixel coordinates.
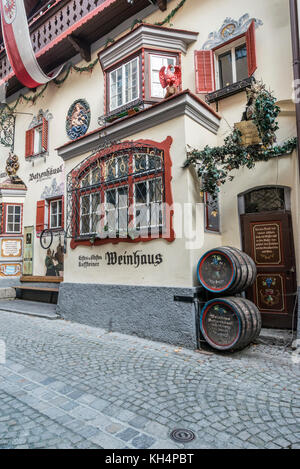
(274, 58)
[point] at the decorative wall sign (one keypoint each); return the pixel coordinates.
(78, 119)
(270, 293)
(7, 129)
(230, 29)
(267, 243)
(11, 247)
(45, 175)
(10, 270)
(136, 259)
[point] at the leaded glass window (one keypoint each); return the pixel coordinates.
(265, 200)
(118, 194)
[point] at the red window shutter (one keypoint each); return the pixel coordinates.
(251, 49)
(45, 135)
(205, 71)
(29, 143)
(40, 216)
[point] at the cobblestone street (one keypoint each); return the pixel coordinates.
(66, 385)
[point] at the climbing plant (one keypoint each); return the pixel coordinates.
(215, 165)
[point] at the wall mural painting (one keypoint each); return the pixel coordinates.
(230, 29)
(56, 189)
(78, 119)
(54, 262)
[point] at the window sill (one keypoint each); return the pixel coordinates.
(230, 90)
(37, 155)
(90, 240)
(121, 112)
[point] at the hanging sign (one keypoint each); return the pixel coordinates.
(18, 45)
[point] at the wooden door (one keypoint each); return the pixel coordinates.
(268, 239)
(28, 251)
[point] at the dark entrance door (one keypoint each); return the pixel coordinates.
(268, 239)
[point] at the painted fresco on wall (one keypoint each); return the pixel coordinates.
(78, 119)
(54, 190)
(54, 262)
(10, 270)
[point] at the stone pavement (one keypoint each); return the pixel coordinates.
(66, 385)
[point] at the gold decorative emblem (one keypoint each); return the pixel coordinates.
(228, 30)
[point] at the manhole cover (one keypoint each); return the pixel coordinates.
(182, 436)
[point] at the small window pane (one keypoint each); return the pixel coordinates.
(141, 193)
(241, 62)
(225, 67)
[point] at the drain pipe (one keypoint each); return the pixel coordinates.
(296, 61)
(296, 66)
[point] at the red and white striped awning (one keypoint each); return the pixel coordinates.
(18, 45)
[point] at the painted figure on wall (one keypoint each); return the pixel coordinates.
(54, 262)
(51, 272)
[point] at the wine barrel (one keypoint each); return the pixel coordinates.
(230, 323)
(226, 270)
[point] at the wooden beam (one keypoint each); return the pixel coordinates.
(162, 4)
(81, 46)
(41, 279)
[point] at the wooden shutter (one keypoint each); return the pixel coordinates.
(205, 71)
(29, 143)
(45, 135)
(251, 49)
(40, 216)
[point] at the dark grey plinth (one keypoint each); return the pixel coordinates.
(148, 312)
(298, 331)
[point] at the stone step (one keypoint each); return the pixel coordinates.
(8, 293)
(279, 337)
(30, 308)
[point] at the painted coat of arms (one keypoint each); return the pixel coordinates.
(78, 119)
(10, 10)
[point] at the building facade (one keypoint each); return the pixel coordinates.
(101, 156)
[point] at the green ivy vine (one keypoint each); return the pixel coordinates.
(214, 165)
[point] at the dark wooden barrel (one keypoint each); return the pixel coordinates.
(230, 323)
(226, 270)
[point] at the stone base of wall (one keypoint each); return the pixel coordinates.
(9, 282)
(298, 332)
(148, 312)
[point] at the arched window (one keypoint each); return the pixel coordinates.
(121, 194)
